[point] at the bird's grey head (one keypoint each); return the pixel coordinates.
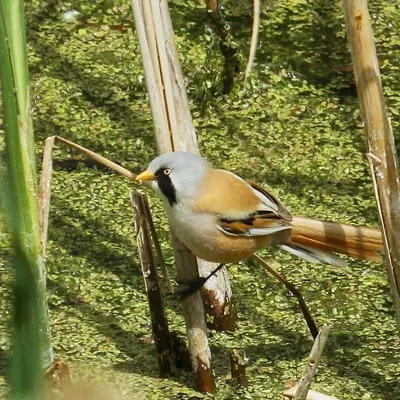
(176, 176)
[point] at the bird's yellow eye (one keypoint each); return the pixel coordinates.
(167, 171)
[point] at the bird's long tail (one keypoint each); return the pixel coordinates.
(317, 241)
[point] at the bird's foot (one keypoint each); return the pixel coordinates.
(187, 288)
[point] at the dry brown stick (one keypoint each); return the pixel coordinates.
(381, 149)
(312, 363)
(44, 200)
(185, 138)
(196, 328)
(238, 366)
(158, 319)
(165, 69)
(214, 8)
(46, 177)
(229, 51)
(303, 306)
(100, 159)
(160, 256)
(150, 34)
(217, 293)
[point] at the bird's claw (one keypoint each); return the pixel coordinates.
(189, 287)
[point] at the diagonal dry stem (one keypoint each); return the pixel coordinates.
(100, 159)
(312, 364)
(47, 173)
(45, 195)
(292, 289)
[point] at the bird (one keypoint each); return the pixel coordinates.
(224, 218)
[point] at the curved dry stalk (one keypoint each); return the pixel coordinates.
(292, 289)
(254, 38)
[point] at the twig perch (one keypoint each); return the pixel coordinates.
(381, 148)
(46, 177)
(174, 131)
(221, 308)
(145, 227)
(100, 159)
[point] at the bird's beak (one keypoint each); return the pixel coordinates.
(146, 176)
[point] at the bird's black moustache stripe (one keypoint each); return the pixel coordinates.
(166, 186)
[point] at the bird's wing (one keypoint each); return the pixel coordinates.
(268, 197)
(242, 208)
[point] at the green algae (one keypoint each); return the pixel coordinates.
(297, 129)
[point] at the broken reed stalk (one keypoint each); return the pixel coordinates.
(158, 318)
(200, 353)
(174, 131)
(312, 363)
(381, 149)
(186, 263)
(292, 289)
(218, 294)
(160, 327)
(238, 366)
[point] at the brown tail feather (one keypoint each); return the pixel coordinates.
(359, 242)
